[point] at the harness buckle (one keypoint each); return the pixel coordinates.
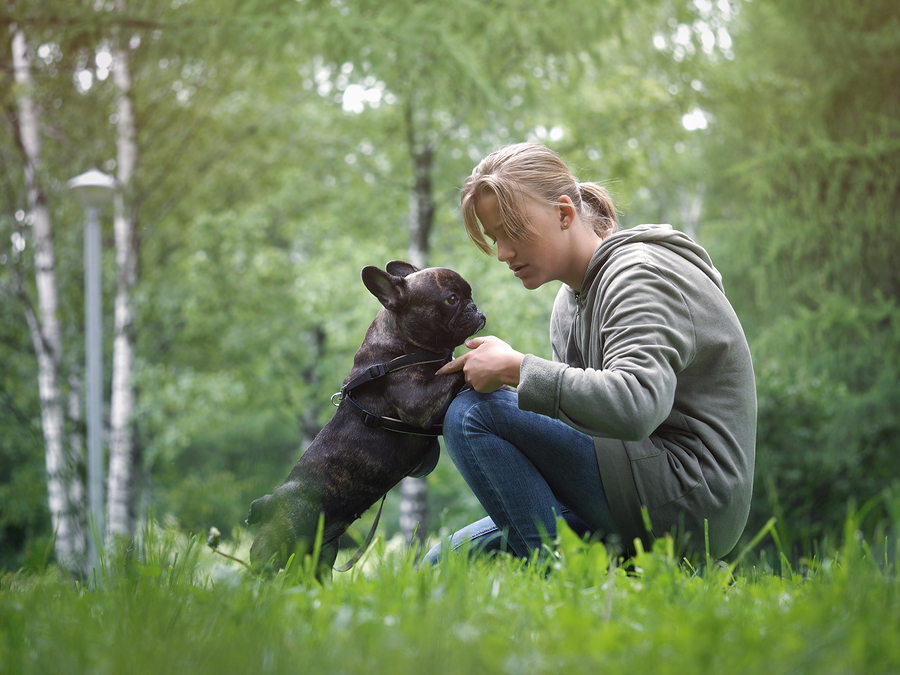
(376, 371)
(339, 395)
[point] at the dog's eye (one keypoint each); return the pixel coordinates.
(452, 299)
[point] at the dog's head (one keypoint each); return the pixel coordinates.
(432, 308)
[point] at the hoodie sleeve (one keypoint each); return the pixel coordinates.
(640, 336)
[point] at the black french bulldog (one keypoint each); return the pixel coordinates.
(353, 462)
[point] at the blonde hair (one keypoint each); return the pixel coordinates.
(531, 171)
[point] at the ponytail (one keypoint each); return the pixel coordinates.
(597, 209)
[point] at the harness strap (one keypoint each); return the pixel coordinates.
(381, 370)
(391, 424)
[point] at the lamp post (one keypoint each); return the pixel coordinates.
(94, 189)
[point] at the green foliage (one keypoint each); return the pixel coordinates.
(803, 223)
(828, 395)
(24, 518)
(807, 134)
(172, 607)
(260, 197)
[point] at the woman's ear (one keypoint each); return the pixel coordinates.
(566, 210)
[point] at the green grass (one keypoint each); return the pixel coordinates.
(179, 608)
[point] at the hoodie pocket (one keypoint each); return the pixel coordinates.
(665, 470)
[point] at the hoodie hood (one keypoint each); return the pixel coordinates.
(661, 235)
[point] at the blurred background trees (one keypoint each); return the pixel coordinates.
(281, 146)
(807, 147)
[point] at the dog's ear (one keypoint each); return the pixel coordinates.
(400, 269)
(389, 289)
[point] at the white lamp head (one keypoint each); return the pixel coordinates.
(94, 188)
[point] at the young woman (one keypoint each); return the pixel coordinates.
(648, 407)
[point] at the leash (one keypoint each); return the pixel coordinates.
(365, 545)
(378, 421)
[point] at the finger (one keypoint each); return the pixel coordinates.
(475, 342)
(452, 367)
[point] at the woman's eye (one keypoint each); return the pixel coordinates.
(452, 300)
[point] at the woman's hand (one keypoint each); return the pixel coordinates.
(491, 364)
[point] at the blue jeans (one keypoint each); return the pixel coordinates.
(525, 469)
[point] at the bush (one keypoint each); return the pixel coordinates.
(829, 433)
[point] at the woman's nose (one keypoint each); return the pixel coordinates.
(504, 252)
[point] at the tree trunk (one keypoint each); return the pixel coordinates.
(690, 208)
(414, 491)
(122, 490)
(421, 208)
(65, 489)
(309, 418)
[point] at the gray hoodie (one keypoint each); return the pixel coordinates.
(650, 359)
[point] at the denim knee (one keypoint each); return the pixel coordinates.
(459, 408)
(462, 405)
(462, 416)
(455, 419)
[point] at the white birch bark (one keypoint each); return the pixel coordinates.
(65, 490)
(414, 491)
(122, 485)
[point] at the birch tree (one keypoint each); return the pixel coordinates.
(65, 489)
(172, 123)
(166, 89)
(122, 470)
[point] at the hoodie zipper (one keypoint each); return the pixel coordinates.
(575, 328)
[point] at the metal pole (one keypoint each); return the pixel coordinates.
(93, 348)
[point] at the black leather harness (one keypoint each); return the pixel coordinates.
(381, 370)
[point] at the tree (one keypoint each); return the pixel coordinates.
(337, 136)
(122, 470)
(64, 485)
(157, 121)
(803, 160)
(77, 37)
(452, 94)
(458, 80)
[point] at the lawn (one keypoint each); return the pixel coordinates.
(180, 608)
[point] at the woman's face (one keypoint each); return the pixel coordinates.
(535, 260)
